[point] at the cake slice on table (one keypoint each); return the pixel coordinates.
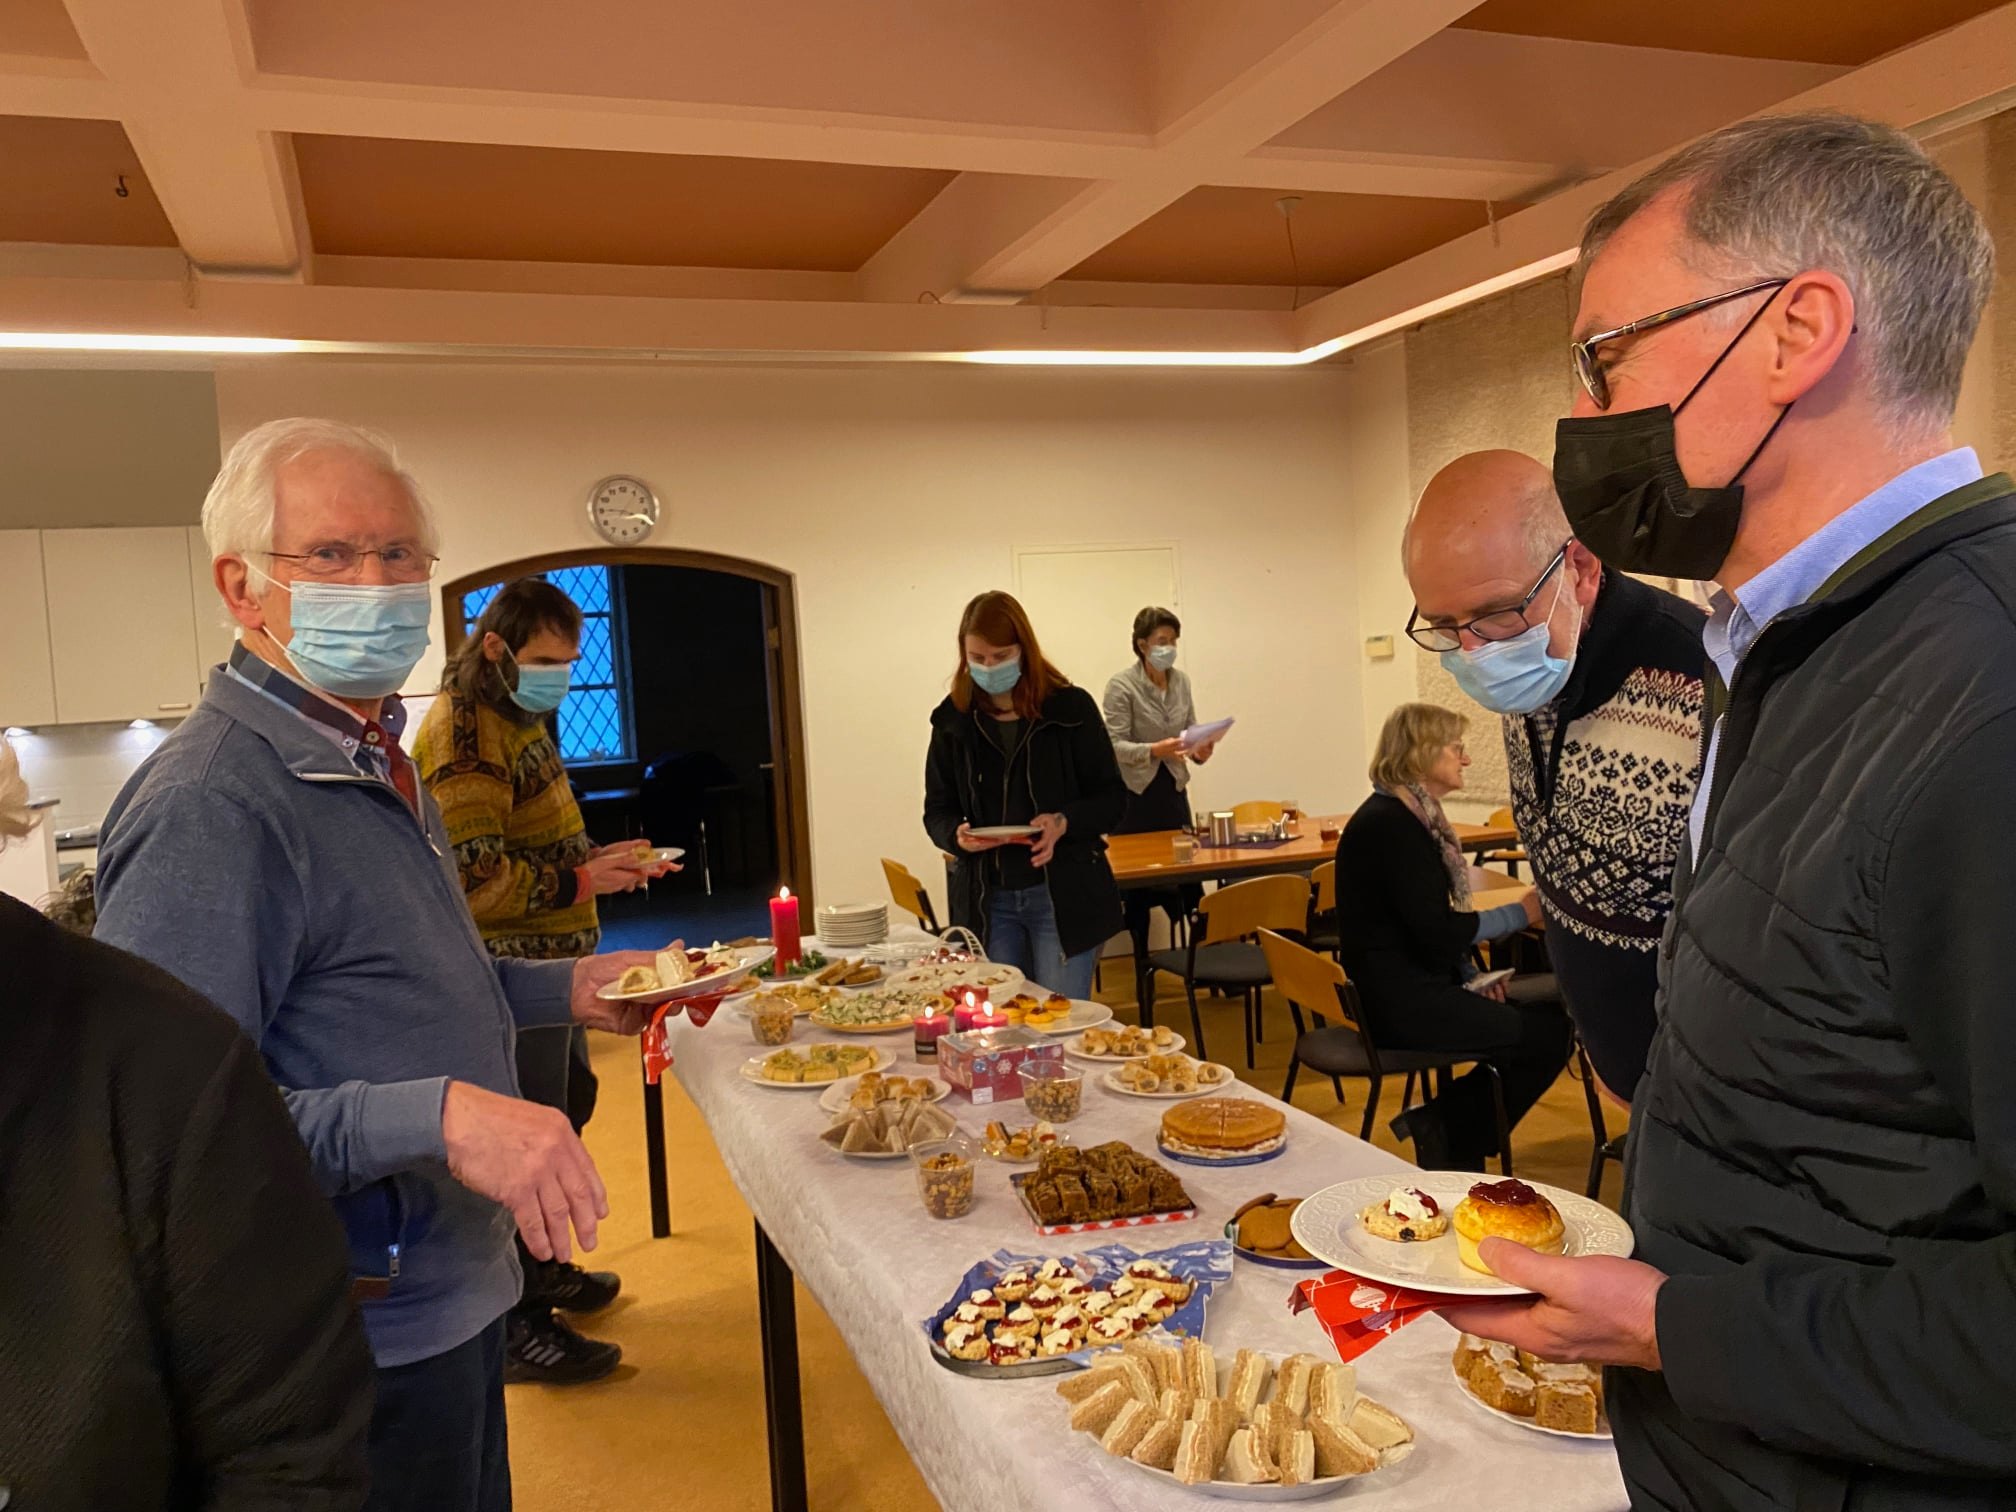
(1567, 1405)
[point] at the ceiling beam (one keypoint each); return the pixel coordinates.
(61, 87)
(1228, 79)
(1928, 86)
(229, 189)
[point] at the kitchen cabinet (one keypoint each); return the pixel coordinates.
(122, 623)
(215, 629)
(27, 681)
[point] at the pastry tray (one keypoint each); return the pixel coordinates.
(1170, 1215)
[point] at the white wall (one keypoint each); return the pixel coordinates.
(893, 494)
(1381, 493)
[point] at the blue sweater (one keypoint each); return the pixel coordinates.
(250, 859)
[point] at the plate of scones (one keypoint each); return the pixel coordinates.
(1530, 1392)
(1422, 1230)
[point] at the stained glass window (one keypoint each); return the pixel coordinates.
(595, 720)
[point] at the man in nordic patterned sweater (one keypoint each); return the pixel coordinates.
(1598, 679)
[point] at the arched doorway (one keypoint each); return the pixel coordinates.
(787, 769)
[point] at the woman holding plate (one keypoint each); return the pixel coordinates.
(1015, 748)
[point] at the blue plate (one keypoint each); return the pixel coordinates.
(1236, 1160)
(1274, 1262)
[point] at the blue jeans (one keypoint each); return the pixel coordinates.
(1022, 932)
(437, 1432)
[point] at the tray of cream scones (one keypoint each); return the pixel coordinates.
(1014, 1314)
(1248, 1427)
(1424, 1230)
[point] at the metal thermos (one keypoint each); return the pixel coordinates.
(1223, 830)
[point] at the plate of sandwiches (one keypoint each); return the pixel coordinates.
(887, 1130)
(1223, 1131)
(805, 1066)
(677, 972)
(1529, 1392)
(871, 1089)
(1421, 1230)
(1251, 1427)
(1168, 1076)
(1124, 1042)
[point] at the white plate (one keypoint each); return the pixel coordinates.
(834, 1098)
(752, 1069)
(749, 957)
(664, 853)
(1602, 1434)
(1075, 1048)
(1084, 1015)
(1111, 1081)
(1327, 1226)
(1001, 982)
(1228, 1491)
(1003, 831)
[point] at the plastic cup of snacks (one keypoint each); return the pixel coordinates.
(944, 1176)
(1053, 1091)
(771, 1021)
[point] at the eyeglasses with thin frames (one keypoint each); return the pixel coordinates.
(1498, 625)
(339, 561)
(1596, 383)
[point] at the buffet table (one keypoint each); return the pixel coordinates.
(856, 1233)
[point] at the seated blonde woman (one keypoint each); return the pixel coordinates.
(1407, 926)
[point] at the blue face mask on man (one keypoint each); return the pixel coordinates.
(1515, 676)
(541, 690)
(358, 640)
(998, 678)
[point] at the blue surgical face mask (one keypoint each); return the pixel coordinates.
(1514, 676)
(998, 678)
(541, 690)
(1162, 658)
(358, 640)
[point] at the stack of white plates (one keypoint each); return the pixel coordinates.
(849, 926)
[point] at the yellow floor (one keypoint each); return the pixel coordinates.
(681, 1421)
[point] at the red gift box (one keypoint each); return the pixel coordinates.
(985, 1064)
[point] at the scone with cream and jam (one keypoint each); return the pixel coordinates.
(1406, 1216)
(1506, 1209)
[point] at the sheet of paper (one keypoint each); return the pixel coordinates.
(1200, 734)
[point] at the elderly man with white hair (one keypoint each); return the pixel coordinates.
(277, 854)
(1597, 677)
(1822, 1167)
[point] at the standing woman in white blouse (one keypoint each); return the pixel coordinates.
(1147, 708)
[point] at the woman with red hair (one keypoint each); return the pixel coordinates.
(1014, 743)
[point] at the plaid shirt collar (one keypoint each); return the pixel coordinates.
(363, 741)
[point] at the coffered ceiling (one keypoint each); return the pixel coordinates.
(884, 177)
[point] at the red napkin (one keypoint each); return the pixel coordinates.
(652, 1042)
(1358, 1313)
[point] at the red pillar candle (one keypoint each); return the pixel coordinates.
(784, 928)
(964, 1010)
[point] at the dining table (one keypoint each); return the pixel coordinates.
(856, 1234)
(1149, 859)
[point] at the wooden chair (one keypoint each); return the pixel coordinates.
(1317, 983)
(1220, 954)
(908, 894)
(1322, 932)
(1253, 814)
(1508, 856)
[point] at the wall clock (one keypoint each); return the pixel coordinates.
(622, 509)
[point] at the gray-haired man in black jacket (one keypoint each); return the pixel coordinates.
(1822, 1175)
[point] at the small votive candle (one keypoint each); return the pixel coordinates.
(930, 1027)
(972, 1003)
(990, 1018)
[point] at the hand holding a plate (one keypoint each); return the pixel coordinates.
(968, 841)
(615, 869)
(1594, 1309)
(1049, 830)
(591, 974)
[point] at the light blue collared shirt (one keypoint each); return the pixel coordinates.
(1738, 619)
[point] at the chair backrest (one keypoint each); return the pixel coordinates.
(1501, 817)
(1324, 880)
(1309, 980)
(1257, 811)
(908, 893)
(1233, 913)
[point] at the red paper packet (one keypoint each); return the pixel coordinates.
(1358, 1313)
(652, 1045)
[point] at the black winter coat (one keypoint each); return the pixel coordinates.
(176, 1331)
(1823, 1150)
(1066, 760)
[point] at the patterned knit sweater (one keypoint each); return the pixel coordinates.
(1602, 779)
(517, 832)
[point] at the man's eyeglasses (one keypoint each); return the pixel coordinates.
(339, 561)
(1597, 383)
(1498, 625)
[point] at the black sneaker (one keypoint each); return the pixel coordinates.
(543, 1349)
(1430, 1137)
(553, 1283)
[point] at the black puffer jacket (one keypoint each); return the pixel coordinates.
(1823, 1151)
(1067, 762)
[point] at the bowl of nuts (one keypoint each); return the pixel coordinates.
(1053, 1091)
(944, 1175)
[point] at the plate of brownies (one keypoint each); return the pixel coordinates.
(1108, 1186)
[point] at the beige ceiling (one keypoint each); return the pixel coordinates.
(880, 176)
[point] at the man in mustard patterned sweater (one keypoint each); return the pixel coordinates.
(531, 876)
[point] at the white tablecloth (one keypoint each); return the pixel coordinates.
(858, 1237)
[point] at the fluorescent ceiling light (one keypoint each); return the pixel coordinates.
(104, 341)
(1009, 357)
